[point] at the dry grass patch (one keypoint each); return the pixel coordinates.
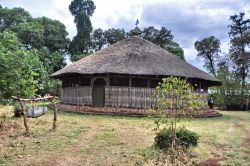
(116, 140)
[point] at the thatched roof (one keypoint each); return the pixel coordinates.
(134, 56)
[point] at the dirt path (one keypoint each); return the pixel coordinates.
(68, 157)
(214, 161)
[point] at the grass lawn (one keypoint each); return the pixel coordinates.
(115, 140)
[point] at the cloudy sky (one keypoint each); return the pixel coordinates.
(189, 20)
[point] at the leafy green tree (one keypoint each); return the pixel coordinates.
(175, 49)
(32, 34)
(98, 39)
(114, 35)
(82, 10)
(208, 49)
(163, 38)
(232, 94)
(240, 42)
(11, 18)
(175, 101)
(46, 34)
(55, 35)
(150, 34)
(17, 68)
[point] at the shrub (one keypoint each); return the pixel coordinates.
(163, 138)
(185, 138)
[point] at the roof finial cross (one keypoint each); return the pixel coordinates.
(137, 22)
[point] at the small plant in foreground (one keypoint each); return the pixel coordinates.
(184, 138)
(175, 102)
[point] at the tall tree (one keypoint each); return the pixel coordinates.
(98, 39)
(82, 10)
(46, 34)
(208, 49)
(240, 42)
(11, 18)
(114, 35)
(175, 49)
(162, 38)
(17, 68)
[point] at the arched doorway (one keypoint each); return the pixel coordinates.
(98, 93)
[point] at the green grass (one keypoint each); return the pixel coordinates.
(117, 140)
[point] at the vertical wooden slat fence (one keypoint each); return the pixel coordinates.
(116, 96)
(129, 97)
(76, 95)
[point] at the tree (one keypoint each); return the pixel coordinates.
(55, 35)
(174, 98)
(17, 68)
(32, 34)
(175, 49)
(232, 94)
(98, 39)
(240, 40)
(11, 18)
(208, 49)
(114, 35)
(49, 37)
(81, 43)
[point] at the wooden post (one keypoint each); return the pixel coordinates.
(24, 117)
(55, 115)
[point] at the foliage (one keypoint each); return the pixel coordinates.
(208, 49)
(175, 102)
(82, 10)
(239, 45)
(114, 35)
(98, 39)
(17, 67)
(163, 38)
(185, 138)
(49, 37)
(12, 18)
(175, 49)
(163, 138)
(232, 94)
(31, 34)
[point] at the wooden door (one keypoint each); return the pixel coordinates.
(98, 93)
(98, 96)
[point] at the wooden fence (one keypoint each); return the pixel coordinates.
(76, 95)
(129, 97)
(115, 96)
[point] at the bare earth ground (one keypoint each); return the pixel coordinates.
(116, 140)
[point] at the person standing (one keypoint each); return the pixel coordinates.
(211, 102)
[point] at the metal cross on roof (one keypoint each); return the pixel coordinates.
(137, 22)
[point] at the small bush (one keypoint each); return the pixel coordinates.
(163, 138)
(184, 137)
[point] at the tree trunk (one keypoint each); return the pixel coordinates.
(55, 115)
(24, 118)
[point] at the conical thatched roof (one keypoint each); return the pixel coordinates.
(134, 56)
